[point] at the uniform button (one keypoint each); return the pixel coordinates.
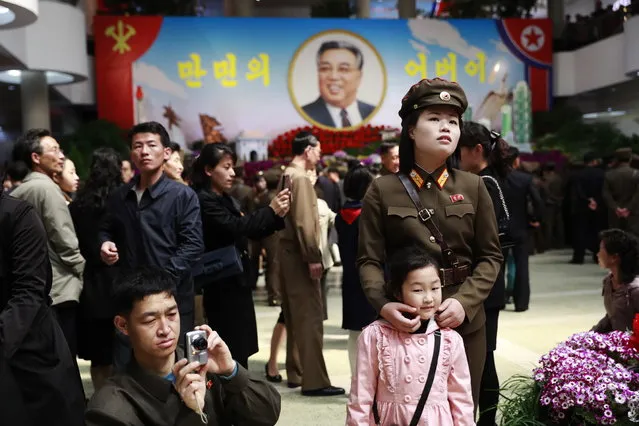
(409, 378)
(408, 341)
(431, 239)
(422, 379)
(407, 398)
(422, 359)
(421, 341)
(428, 185)
(407, 359)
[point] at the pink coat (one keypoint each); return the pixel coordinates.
(394, 365)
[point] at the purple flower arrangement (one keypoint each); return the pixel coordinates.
(589, 379)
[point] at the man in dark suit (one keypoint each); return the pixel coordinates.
(39, 382)
(339, 71)
(621, 192)
(518, 191)
(587, 208)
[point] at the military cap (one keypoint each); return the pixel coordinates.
(431, 92)
(623, 154)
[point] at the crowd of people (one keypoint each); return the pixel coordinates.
(603, 22)
(121, 269)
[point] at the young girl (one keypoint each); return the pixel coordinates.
(393, 367)
(618, 253)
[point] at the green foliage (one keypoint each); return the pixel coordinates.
(332, 9)
(519, 402)
(80, 145)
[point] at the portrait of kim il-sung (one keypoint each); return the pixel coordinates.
(345, 96)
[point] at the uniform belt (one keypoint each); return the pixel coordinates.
(455, 275)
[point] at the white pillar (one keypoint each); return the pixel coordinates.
(34, 92)
(407, 9)
(363, 8)
(556, 14)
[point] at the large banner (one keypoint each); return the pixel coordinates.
(224, 78)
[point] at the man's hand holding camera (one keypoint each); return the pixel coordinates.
(190, 378)
(220, 361)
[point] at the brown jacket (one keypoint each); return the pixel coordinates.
(621, 189)
(389, 222)
(302, 220)
(145, 399)
(621, 306)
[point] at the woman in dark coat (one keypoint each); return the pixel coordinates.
(228, 302)
(39, 381)
(357, 312)
(96, 331)
(485, 153)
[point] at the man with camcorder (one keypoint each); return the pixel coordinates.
(164, 385)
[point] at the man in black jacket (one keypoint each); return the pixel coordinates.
(519, 191)
(154, 221)
(39, 382)
(588, 210)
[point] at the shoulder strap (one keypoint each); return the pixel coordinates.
(501, 194)
(429, 384)
(423, 214)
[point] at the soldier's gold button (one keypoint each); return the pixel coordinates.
(431, 239)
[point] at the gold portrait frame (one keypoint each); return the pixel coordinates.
(302, 47)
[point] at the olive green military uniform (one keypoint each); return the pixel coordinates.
(621, 190)
(462, 210)
(301, 296)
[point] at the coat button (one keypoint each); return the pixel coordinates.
(408, 341)
(431, 239)
(422, 359)
(407, 359)
(407, 398)
(422, 379)
(409, 378)
(421, 341)
(428, 185)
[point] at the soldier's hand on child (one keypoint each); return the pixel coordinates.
(281, 203)
(451, 314)
(402, 317)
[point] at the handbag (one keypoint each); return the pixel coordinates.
(217, 265)
(429, 384)
(503, 221)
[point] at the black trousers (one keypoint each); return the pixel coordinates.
(66, 314)
(489, 392)
(521, 290)
(586, 225)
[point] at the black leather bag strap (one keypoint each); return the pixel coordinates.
(424, 215)
(429, 383)
(427, 387)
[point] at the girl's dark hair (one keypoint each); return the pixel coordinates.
(402, 263)
(495, 148)
(105, 175)
(407, 145)
(357, 181)
(626, 246)
(210, 156)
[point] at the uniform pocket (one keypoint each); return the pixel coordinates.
(460, 210)
(402, 212)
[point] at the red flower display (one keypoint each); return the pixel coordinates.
(634, 338)
(331, 140)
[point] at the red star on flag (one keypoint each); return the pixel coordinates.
(532, 38)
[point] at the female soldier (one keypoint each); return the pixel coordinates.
(485, 153)
(453, 219)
